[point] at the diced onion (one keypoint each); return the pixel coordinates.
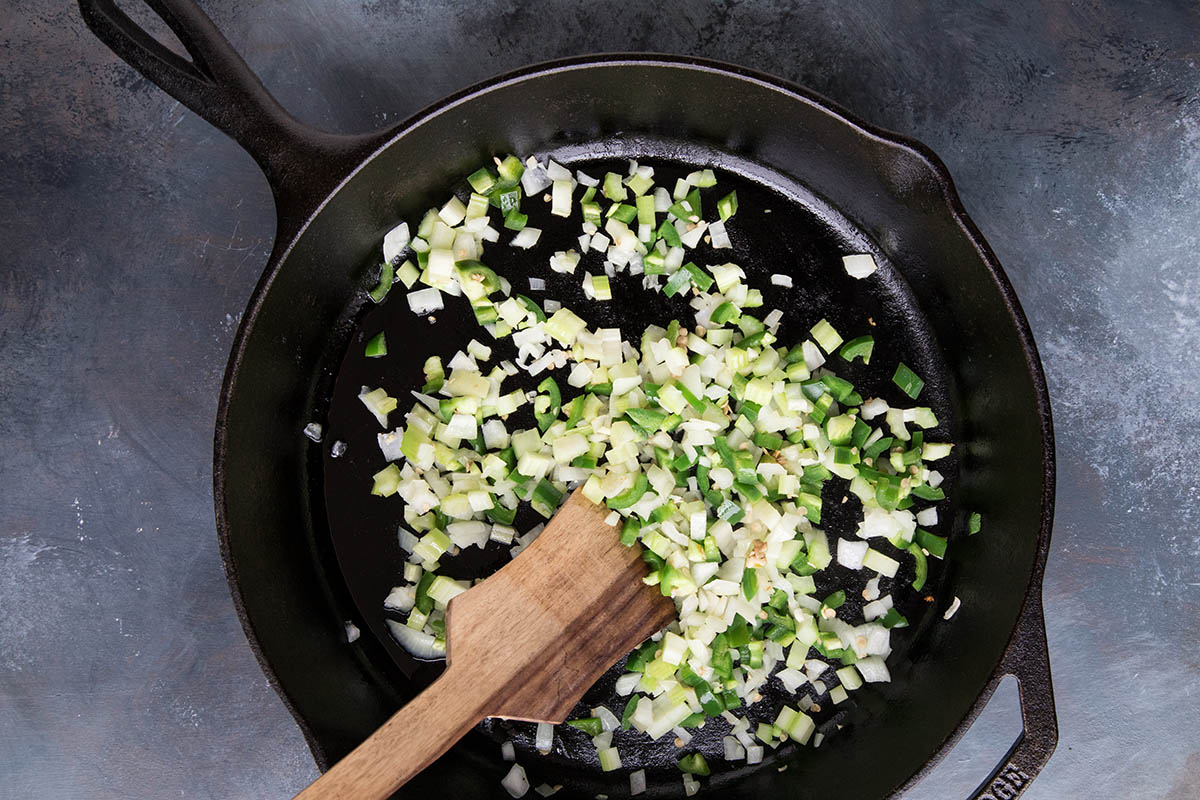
(515, 782)
(859, 265)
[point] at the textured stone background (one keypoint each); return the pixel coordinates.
(131, 235)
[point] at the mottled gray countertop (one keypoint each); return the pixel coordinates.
(132, 234)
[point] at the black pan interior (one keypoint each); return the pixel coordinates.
(832, 188)
(781, 227)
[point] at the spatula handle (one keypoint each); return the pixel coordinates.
(408, 742)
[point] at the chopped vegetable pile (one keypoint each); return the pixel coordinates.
(711, 441)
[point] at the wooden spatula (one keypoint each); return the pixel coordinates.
(524, 644)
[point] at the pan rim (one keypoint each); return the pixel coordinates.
(392, 136)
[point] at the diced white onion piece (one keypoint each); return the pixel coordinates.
(927, 517)
(873, 670)
(313, 431)
(394, 242)
(718, 234)
(418, 643)
(453, 212)
(515, 782)
(544, 739)
(953, 609)
(779, 279)
(560, 202)
(536, 285)
(425, 301)
(884, 565)
(637, 782)
(526, 238)
(627, 683)
(873, 408)
(850, 553)
(608, 719)
(401, 599)
(877, 608)
(507, 751)
(610, 759)
(859, 265)
(754, 754)
(693, 236)
(534, 179)
(557, 172)
(812, 354)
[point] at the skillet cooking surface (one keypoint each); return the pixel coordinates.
(780, 227)
(336, 196)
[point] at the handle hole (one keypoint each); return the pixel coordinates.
(145, 17)
(978, 752)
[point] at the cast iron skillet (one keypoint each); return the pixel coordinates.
(300, 566)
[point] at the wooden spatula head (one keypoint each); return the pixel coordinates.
(524, 644)
(556, 617)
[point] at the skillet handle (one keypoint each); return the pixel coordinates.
(1027, 659)
(302, 164)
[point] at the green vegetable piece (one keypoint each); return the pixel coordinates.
(482, 180)
(630, 529)
(738, 634)
(860, 347)
(478, 273)
(627, 714)
(727, 206)
(908, 381)
(424, 602)
(835, 600)
(613, 188)
(694, 764)
(753, 340)
(887, 494)
(501, 515)
(648, 418)
(692, 400)
(377, 347)
(592, 726)
(514, 220)
(974, 523)
(768, 441)
(666, 231)
(922, 566)
(575, 414)
(623, 212)
(877, 447)
(724, 313)
(511, 169)
(749, 583)
(532, 305)
(641, 656)
(387, 274)
(547, 418)
(893, 619)
(631, 495)
(547, 495)
(701, 279)
(676, 282)
(926, 492)
(435, 375)
(936, 545)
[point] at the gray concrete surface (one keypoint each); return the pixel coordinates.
(131, 235)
